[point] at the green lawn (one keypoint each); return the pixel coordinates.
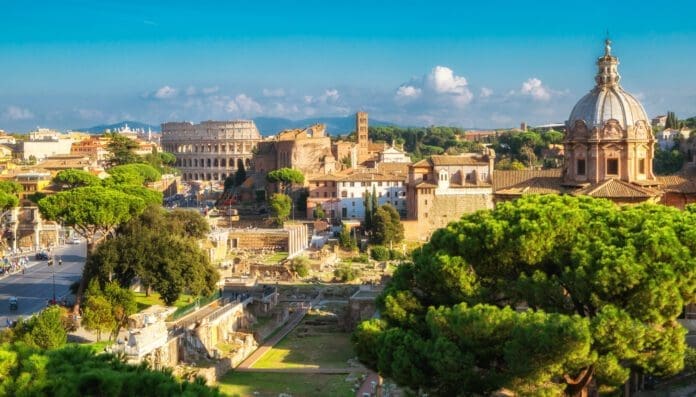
(274, 258)
(326, 350)
(154, 299)
(254, 384)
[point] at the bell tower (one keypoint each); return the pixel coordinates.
(362, 136)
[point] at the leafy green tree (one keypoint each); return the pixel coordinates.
(668, 161)
(161, 250)
(93, 212)
(369, 211)
(76, 370)
(45, 330)
(11, 187)
(134, 174)
(9, 192)
(97, 314)
(281, 205)
(672, 121)
(121, 149)
(123, 304)
(602, 284)
(70, 179)
(387, 226)
(161, 161)
(285, 178)
(345, 240)
(319, 212)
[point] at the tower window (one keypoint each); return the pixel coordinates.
(641, 166)
(580, 169)
(613, 166)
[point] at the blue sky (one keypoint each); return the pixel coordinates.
(491, 64)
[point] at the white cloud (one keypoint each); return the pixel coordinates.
(408, 92)
(438, 88)
(535, 88)
(486, 92)
(273, 92)
(15, 113)
(191, 91)
(241, 104)
(165, 92)
(330, 96)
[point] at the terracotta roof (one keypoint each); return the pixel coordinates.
(424, 184)
(393, 167)
(615, 188)
(679, 183)
(422, 163)
(519, 182)
(462, 159)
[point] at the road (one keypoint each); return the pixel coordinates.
(34, 288)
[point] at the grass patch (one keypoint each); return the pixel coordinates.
(253, 384)
(144, 302)
(274, 258)
(325, 350)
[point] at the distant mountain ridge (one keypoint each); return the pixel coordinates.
(266, 125)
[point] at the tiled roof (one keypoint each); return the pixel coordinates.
(462, 159)
(393, 167)
(424, 184)
(422, 163)
(518, 182)
(684, 182)
(615, 188)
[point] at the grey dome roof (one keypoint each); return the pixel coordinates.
(608, 100)
(605, 103)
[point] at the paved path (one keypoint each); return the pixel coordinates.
(268, 344)
(35, 287)
(301, 370)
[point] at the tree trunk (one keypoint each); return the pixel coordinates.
(578, 387)
(83, 280)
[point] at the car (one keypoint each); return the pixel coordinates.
(13, 303)
(74, 240)
(41, 256)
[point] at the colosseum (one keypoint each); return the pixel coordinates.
(211, 150)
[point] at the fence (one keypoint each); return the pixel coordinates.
(191, 307)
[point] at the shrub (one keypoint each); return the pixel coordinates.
(690, 360)
(380, 253)
(346, 273)
(396, 255)
(300, 265)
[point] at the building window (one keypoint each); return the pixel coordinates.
(344, 194)
(353, 203)
(344, 212)
(379, 184)
(613, 166)
(426, 202)
(333, 194)
(580, 169)
(388, 193)
(326, 194)
(352, 184)
(641, 166)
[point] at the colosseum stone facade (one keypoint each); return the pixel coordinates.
(211, 150)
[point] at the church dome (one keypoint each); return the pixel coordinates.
(607, 100)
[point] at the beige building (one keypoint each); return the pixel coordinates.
(307, 150)
(211, 150)
(443, 188)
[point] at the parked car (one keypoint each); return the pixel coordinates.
(74, 240)
(41, 256)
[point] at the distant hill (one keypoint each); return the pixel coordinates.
(334, 125)
(98, 129)
(267, 125)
